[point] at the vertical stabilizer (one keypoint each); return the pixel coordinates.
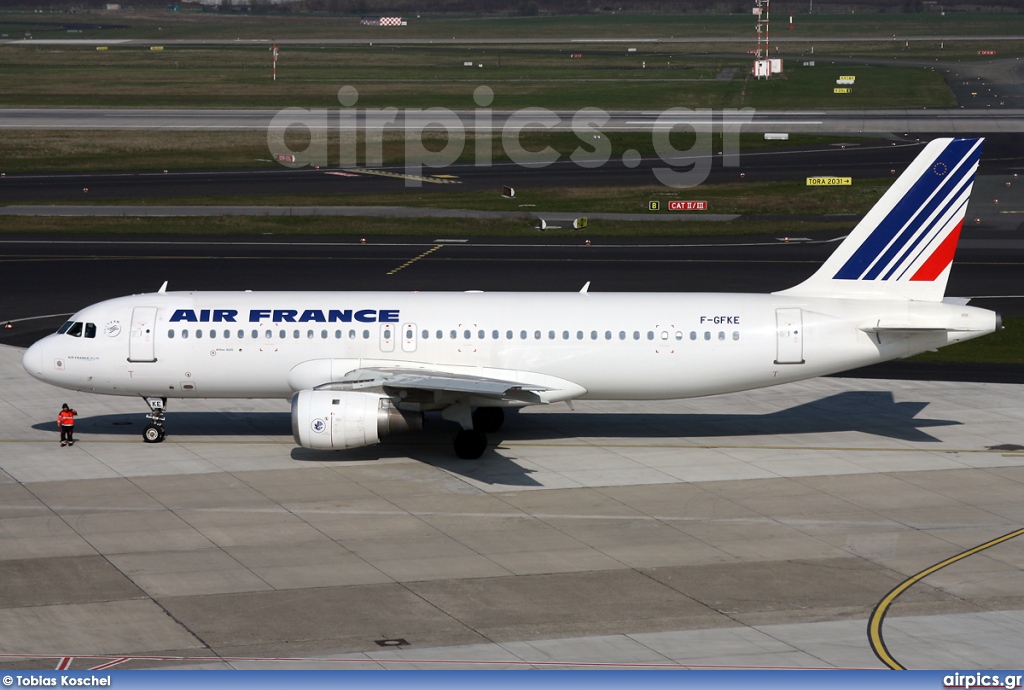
(903, 248)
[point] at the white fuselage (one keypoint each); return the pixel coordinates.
(600, 345)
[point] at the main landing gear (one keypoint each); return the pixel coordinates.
(470, 443)
(154, 431)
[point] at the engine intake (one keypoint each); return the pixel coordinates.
(332, 420)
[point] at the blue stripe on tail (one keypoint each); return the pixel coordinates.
(901, 224)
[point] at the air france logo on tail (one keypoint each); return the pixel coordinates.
(917, 237)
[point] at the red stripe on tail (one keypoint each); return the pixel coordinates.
(941, 257)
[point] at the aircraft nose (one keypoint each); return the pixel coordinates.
(32, 360)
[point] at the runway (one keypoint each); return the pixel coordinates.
(528, 40)
(1003, 156)
(755, 530)
(850, 122)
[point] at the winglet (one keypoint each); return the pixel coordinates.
(903, 248)
(585, 289)
(163, 288)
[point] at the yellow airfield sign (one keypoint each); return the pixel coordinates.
(829, 181)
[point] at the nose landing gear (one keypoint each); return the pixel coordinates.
(154, 431)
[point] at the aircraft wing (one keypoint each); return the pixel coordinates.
(395, 380)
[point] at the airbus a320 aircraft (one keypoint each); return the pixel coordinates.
(360, 365)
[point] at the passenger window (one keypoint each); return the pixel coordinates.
(241, 334)
(495, 335)
(466, 334)
(607, 335)
(269, 334)
(593, 335)
(721, 335)
(337, 335)
(387, 334)
(90, 330)
(650, 335)
(693, 335)
(170, 334)
(352, 335)
(636, 335)
(76, 329)
(426, 334)
(579, 335)
(366, 335)
(213, 333)
(408, 334)
(664, 335)
(282, 334)
(536, 335)
(184, 333)
(522, 335)
(622, 335)
(323, 335)
(551, 335)
(481, 335)
(454, 334)
(64, 328)
(256, 334)
(295, 334)
(707, 335)
(199, 332)
(508, 335)
(735, 335)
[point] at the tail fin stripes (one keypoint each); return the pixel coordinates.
(903, 247)
(917, 212)
(941, 257)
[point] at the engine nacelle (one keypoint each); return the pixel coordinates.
(332, 420)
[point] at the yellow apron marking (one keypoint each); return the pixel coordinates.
(878, 615)
(435, 179)
(410, 262)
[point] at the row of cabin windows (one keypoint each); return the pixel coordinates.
(567, 335)
(268, 334)
(78, 329)
(282, 334)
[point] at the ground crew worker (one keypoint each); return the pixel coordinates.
(66, 424)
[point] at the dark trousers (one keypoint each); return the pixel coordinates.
(67, 434)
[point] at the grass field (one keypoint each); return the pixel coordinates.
(749, 198)
(239, 77)
(1003, 347)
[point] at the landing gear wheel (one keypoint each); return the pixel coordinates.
(153, 434)
(488, 419)
(470, 444)
(154, 431)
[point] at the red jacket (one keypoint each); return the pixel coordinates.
(66, 417)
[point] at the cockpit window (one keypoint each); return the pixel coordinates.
(90, 330)
(76, 329)
(64, 329)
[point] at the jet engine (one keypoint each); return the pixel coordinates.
(332, 420)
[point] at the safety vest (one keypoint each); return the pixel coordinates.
(66, 418)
